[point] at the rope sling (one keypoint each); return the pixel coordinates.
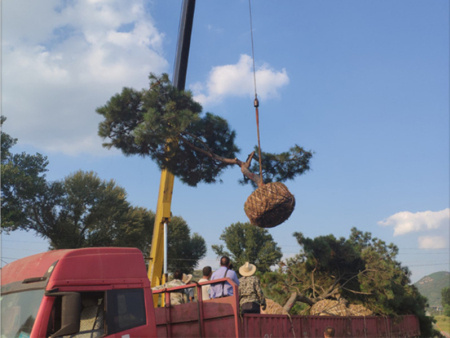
(270, 204)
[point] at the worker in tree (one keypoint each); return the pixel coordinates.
(251, 296)
(223, 289)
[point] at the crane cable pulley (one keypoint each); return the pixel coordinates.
(256, 101)
(272, 203)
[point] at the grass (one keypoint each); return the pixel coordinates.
(443, 323)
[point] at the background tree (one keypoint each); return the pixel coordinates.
(184, 250)
(445, 293)
(360, 269)
(83, 211)
(22, 179)
(201, 147)
(247, 243)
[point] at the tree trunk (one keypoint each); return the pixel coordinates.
(290, 302)
(294, 298)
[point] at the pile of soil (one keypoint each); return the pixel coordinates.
(273, 308)
(339, 307)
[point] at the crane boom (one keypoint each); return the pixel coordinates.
(162, 217)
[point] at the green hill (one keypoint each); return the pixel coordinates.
(430, 286)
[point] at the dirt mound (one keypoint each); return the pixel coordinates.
(340, 307)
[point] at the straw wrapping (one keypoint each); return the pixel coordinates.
(269, 205)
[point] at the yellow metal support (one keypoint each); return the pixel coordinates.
(155, 268)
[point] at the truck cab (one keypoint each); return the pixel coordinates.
(92, 292)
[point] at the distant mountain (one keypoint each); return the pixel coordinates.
(430, 286)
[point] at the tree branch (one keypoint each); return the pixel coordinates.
(358, 292)
(313, 282)
(348, 280)
(295, 296)
(230, 161)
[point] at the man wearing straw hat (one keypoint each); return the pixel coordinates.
(251, 296)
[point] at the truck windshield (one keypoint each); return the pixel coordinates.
(19, 312)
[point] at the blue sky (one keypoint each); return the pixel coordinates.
(363, 84)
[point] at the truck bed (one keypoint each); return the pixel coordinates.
(221, 318)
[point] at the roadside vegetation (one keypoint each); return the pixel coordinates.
(82, 210)
(443, 323)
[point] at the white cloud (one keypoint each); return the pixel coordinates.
(237, 80)
(432, 242)
(405, 222)
(63, 59)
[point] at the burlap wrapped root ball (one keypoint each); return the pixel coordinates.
(269, 205)
(273, 308)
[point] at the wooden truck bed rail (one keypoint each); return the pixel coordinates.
(314, 326)
(220, 317)
(211, 318)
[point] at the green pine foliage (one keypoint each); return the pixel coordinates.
(247, 243)
(281, 167)
(167, 125)
(361, 269)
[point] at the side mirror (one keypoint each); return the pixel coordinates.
(70, 313)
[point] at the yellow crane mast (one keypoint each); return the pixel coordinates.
(158, 251)
(162, 219)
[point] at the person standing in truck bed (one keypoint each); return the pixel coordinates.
(189, 292)
(207, 272)
(223, 289)
(178, 297)
(251, 296)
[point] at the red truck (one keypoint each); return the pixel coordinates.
(105, 292)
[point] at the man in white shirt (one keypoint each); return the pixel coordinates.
(207, 272)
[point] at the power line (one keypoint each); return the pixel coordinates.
(19, 249)
(19, 241)
(9, 257)
(415, 265)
